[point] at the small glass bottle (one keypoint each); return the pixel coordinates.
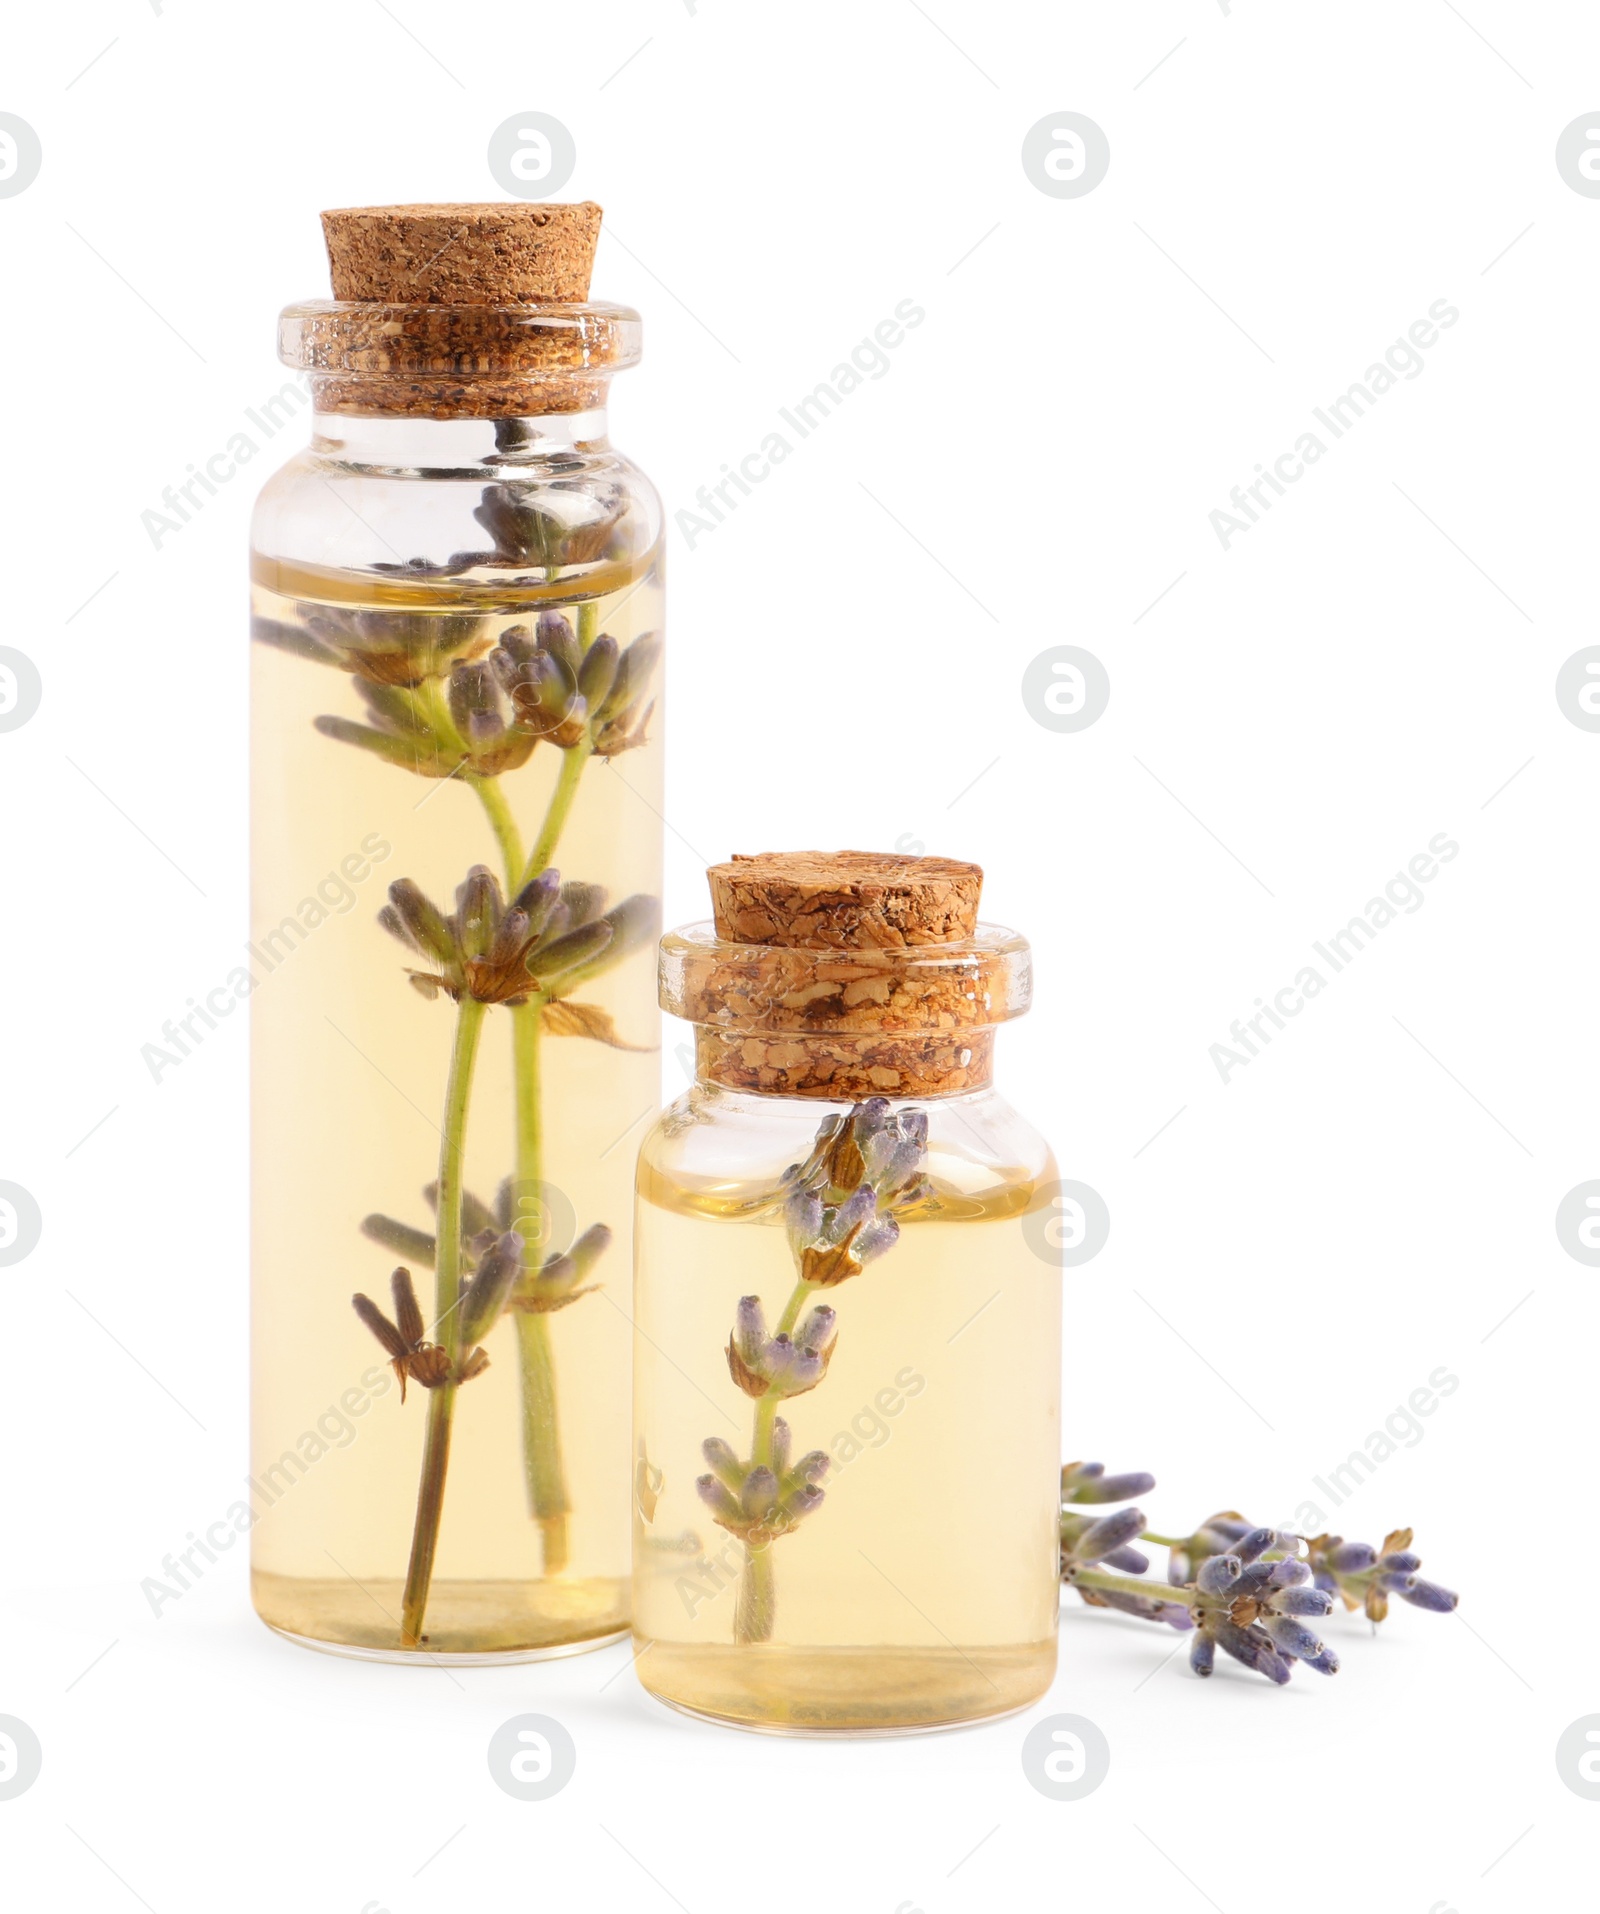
(457, 856)
(847, 1347)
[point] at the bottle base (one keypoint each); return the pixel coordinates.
(463, 1658)
(469, 1624)
(846, 1693)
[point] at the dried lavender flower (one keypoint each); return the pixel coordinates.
(382, 647)
(551, 938)
(574, 697)
(1245, 1589)
(558, 1281)
(760, 1503)
(781, 1365)
(1088, 1482)
(1365, 1577)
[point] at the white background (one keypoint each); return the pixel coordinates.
(1291, 720)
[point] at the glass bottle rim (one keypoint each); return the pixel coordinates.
(375, 338)
(973, 984)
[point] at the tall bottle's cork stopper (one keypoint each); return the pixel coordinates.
(516, 254)
(844, 900)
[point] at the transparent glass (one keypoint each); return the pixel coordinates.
(920, 1590)
(457, 625)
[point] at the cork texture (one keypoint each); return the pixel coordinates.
(461, 312)
(844, 900)
(517, 254)
(846, 974)
(846, 1070)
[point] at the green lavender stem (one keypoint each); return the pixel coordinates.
(572, 763)
(503, 824)
(447, 1327)
(756, 1607)
(548, 1499)
(1135, 1585)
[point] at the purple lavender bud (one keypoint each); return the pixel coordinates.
(778, 1359)
(555, 633)
(477, 909)
(1255, 1543)
(1324, 1580)
(509, 937)
(584, 902)
(806, 1369)
(1252, 1647)
(750, 1330)
(875, 1239)
(1327, 1663)
(1293, 1637)
(818, 1330)
(1303, 1601)
(1129, 1560)
(1402, 1561)
(1110, 1533)
(877, 1152)
(803, 1501)
(854, 1213)
(1396, 1582)
(485, 1296)
(1431, 1596)
(590, 1247)
(1108, 1488)
(1289, 1574)
(812, 1466)
(723, 1463)
(598, 668)
(759, 1494)
(538, 899)
(569, 952)
(802, 1220)
(1202, 1654)
(1217, 1574)
(717, 1498)
(891, 1162)
(1350, 1558)
(1255, 1578)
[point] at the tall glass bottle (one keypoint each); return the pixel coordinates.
(456, 767)
(847, 1361)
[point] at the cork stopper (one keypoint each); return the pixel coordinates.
(844, 900)
(460, 312)
(517, 254)
(845, 974)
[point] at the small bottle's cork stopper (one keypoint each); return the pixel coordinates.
(845, 974)
(844, 900)
(516, 254)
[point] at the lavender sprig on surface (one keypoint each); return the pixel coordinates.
(1253, 1592)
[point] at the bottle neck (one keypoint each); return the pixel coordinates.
(499, 449)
